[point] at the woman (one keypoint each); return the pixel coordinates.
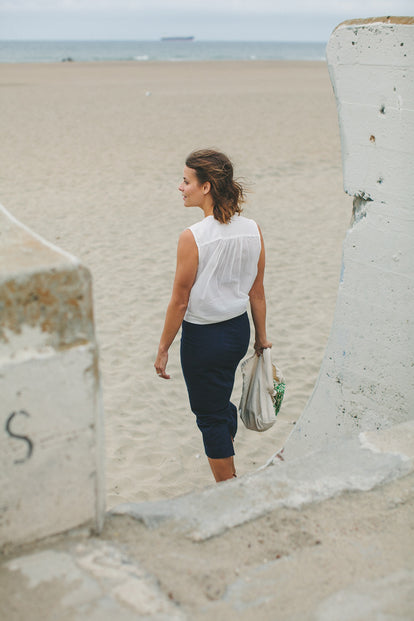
(220, 267)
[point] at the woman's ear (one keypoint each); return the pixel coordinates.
(206, 187)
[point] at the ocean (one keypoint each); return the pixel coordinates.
(147, 51)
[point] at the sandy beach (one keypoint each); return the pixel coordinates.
(91, 159)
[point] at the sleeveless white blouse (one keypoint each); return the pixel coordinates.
(228, 255)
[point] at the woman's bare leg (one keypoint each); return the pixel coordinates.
(222, 469)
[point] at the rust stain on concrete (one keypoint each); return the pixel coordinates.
(385, 19)
(57, 301)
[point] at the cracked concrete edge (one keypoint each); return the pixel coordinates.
(358, 463)
(30, 251)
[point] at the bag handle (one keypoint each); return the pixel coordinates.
(268, 367)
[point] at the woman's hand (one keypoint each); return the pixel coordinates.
(160, 365)
(259, 346)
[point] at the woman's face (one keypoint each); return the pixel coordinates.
(192, 191)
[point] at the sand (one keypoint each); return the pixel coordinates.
(91, 158)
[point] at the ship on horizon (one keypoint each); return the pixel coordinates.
(177, 38)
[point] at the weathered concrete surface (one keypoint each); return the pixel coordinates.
(46, 295)
(366, 380)
(88, 579)
(344, 556)
(51, 453)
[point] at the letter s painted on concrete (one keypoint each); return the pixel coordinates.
(20, 437)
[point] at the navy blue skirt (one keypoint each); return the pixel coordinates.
(210, 354)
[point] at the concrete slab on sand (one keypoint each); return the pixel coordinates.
(357, 463)
(345, 556)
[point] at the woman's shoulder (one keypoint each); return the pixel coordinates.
(246, 224)
(200, 225)
(210, 228)
(201, 230)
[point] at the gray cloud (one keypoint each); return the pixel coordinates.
(350, 7)
(242, 20)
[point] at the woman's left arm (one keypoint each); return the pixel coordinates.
(185, 274)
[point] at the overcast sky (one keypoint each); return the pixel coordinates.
(248, 20)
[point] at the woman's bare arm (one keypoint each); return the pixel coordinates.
(185, 274)
(258, 303)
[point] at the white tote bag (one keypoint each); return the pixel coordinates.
(256, 407)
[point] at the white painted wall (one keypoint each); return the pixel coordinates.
(366, 381)
(51, 421)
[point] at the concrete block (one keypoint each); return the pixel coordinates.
(366, 380)
(371, 67)
(51, 434)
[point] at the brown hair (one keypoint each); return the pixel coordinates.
(216, 168)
